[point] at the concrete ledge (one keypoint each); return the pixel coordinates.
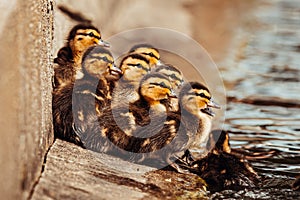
(75, 173)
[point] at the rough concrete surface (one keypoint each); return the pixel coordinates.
(26, 69)
(75, 173)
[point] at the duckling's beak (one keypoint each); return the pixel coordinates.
(208, 111)
(103, 43)
(159, 63)
(172, 94)
(213, 104)
(114, 70)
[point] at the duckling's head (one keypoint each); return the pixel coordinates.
(98, 62)
(175, 76)
(134, 67)
(150, 52)
(156, 88)
(196, 99)
(83, 36)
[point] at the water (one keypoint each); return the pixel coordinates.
(263, 111)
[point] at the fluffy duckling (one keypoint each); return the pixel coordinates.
(149, 51)
(195, 104)
(76, 105)
(223, 170)
(176, 79)
(134, 67)
(68, 60)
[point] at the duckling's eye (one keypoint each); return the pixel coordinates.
(151, 54)
(201, 95)
(91, 34)
(139, 66)
(80, 38)
(105, 59)
(163, 84)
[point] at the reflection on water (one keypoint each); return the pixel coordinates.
(265, 129)
(264, 116)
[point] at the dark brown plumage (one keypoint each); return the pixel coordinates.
(296, 184)
(223, 170)
(195, 107)
(76, 105)
(68, 61)
(143, 128)
(147, 132)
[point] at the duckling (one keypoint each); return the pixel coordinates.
(223, 170)
(195, 108)
(149, 51)
(134, 67)
(76, 105)
(68, 60)
(176, 79)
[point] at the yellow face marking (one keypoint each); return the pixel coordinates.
(195, 100)
(134, 69)
(155, 89)
(83, 39)
(151, 54)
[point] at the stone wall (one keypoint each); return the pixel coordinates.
(26, 70)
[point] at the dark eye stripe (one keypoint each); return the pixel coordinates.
(200, 95)
(162, 84)
(89, 34)
(139, 66)
(151, 55)
(104, 58)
